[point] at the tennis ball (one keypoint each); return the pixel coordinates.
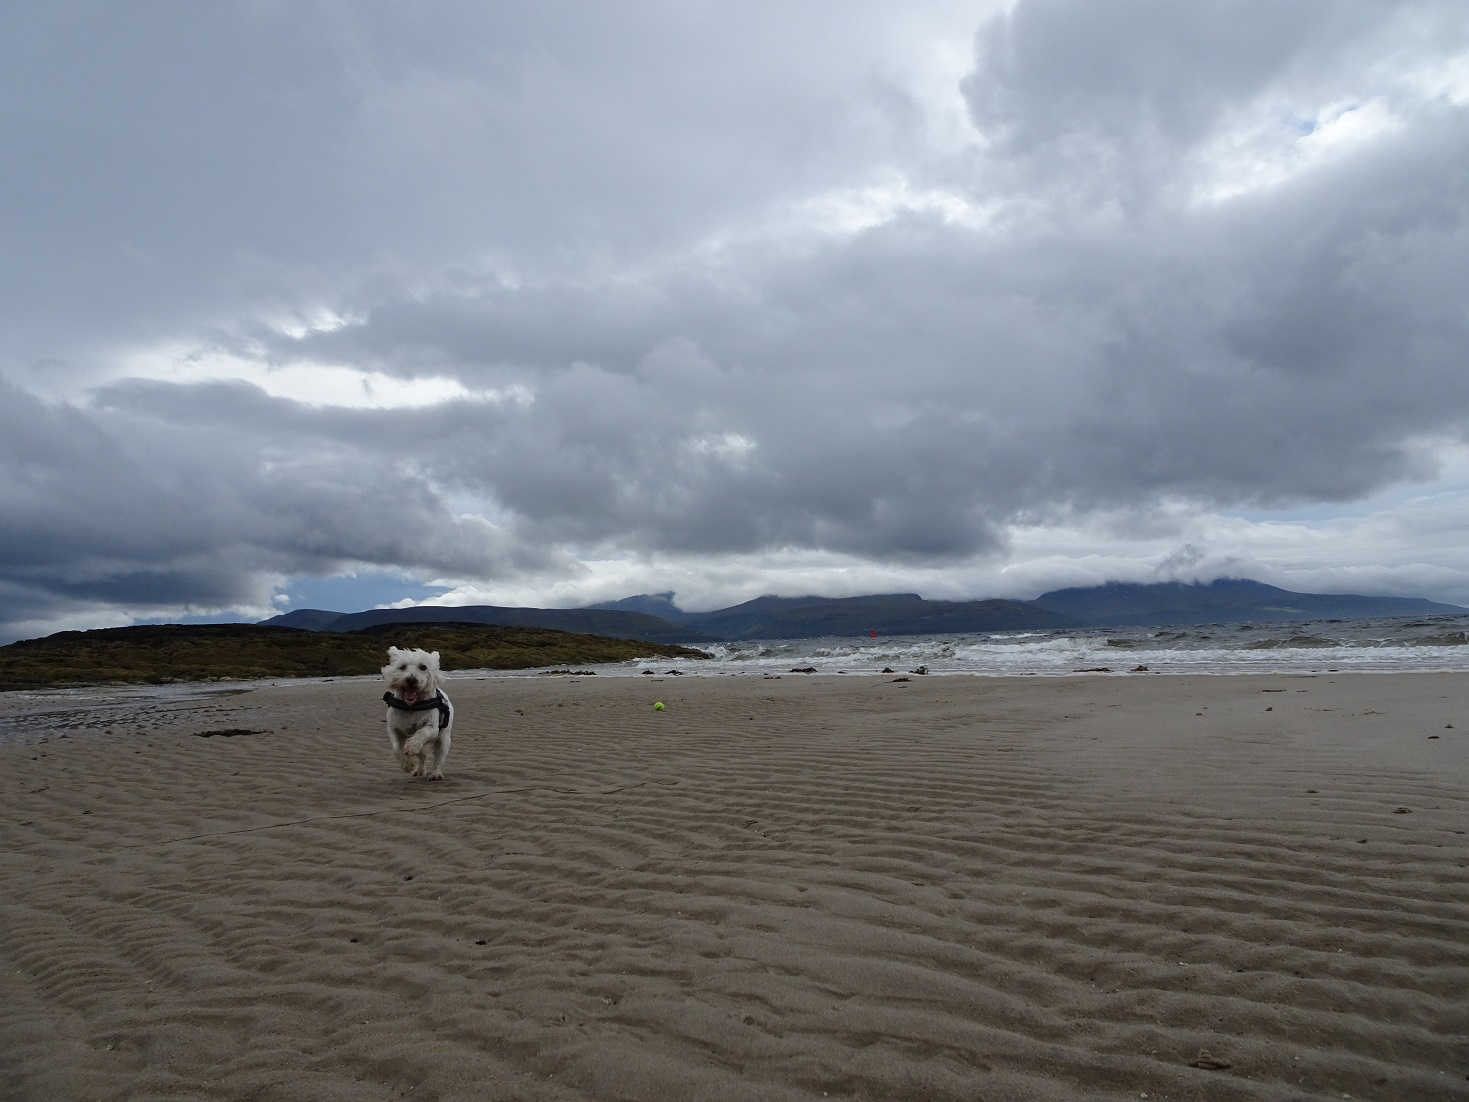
(657, 705)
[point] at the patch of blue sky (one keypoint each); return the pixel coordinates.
(354, 592)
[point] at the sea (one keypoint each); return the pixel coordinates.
(1388, 645)
(1277, 647)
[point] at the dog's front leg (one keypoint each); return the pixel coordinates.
(440, 749)
(415, 751)
(398, 739)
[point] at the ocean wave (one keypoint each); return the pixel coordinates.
(1275, 647)
(1294, 641)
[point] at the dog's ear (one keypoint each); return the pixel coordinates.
(435, 656)
(393, 653)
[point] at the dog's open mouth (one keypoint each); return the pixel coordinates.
(410, 696)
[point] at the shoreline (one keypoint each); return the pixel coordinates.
(1091, 886)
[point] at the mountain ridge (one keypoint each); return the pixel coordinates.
(1223, 600)
(1113, 604)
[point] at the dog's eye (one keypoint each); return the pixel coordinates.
(422, 666)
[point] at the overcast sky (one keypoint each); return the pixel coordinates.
(340, 304)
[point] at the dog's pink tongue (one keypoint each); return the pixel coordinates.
(410, 696)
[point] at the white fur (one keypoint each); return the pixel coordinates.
(419, 741)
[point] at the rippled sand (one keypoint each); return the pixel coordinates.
(793, 888)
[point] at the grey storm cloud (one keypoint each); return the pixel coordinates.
(607, 225)
(1106, 101)
(164, 496)
(176, 164)
(1054, 69)
(1291, 351)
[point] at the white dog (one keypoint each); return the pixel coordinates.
(420, 717)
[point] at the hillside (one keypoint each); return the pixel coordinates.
(615, 624)
(652, 604)
(887, 614)
(203, 652)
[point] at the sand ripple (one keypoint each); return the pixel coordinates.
(777, 889)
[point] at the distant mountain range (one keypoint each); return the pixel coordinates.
(1226, 600)
(655, 617)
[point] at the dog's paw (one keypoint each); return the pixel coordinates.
(437, 775)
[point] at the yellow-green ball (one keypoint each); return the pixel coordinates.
(657, 705)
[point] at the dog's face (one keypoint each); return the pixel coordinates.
(412, 674)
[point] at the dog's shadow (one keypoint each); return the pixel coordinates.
(401, 788)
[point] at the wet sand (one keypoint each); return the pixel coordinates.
(794, 888)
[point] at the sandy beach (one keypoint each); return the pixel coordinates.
(777, 888)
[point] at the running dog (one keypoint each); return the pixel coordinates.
(420, 716)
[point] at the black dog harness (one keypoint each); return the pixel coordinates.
(439, 701)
